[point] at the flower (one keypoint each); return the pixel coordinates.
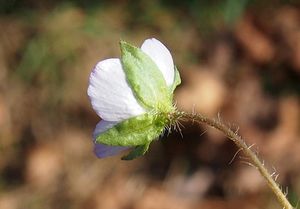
(133, 96)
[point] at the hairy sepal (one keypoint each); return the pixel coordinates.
(137, 152)
(145, 79)
(136, 131)
(176, 82)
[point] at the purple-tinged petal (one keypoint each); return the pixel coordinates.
(102, 150)
(102, 126)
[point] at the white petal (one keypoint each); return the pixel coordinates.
(110, 94)
(102, 150)
(161, 57)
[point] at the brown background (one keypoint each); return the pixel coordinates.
(238, 59)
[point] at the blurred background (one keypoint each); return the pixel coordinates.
(237, 58)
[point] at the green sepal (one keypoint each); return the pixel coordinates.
(137, 152)
(135, 131)
(177, 80)
(145, 79)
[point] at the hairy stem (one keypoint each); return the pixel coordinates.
(237, 139)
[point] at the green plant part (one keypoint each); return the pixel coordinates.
(134, 97)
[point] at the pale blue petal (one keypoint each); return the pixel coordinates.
(102, 126)
(102, 150)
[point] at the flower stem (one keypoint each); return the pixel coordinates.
(237, 139)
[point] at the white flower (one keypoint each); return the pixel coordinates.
(113, 98)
